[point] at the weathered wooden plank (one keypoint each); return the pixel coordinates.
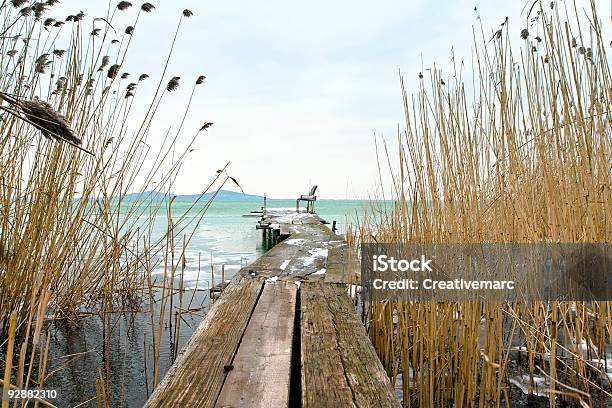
(196, 377)
(262, 366)
(339, 365)
(342, 266)
(323, 380)
(336, 268)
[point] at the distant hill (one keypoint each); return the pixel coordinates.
(223, 195)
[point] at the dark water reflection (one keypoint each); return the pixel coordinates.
(78, 355)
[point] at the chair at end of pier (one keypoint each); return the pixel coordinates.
(310, 200)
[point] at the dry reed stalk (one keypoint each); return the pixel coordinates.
(80, 248)
(8, 364)
(524, 159)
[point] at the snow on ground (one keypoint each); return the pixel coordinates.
(288, 216)
(604, 365)
(295, 241)
(273, 210)
(583, 349)
(284, 264)
(314, 254)
(320, 272)
(540, 386)
(523, 349)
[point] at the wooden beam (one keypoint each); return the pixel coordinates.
(197, 376)
(339, 365)
(343, 266)
(262, 367)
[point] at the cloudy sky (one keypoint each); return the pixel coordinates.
(297, 90)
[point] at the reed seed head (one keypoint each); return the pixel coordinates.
(42, 116)
(26, 11)
(142, 77)
(60, 84)
(51, 123)
(59, 53)
(129, 30)
(524, 33)
(79, 16)
(187, 13)
(39, 9)
(112, 71)
(41, 63)
(131, 86)
(206, 125)
(147, 7)
(49, 22)
(173, 84)
(58, 24)
(125, 75)
(200, 80)
(95, 32)
(11, 53)
(18, 3)
(52, 2)
(124, 5)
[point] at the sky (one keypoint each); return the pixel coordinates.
(297, 91)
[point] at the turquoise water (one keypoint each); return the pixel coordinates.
(224, 236)
(227, 235)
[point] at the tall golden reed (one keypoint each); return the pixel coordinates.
(71, 146)
(521, 153)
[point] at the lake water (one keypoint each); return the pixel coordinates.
(79, 355)
(227, 235)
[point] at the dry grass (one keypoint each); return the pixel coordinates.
(527, 160)
(62, 258)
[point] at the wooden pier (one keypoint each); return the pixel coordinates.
(284, 333)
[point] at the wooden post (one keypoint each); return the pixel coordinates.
(212, 280)
(222, 277)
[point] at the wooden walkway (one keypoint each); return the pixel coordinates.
(284, 333)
